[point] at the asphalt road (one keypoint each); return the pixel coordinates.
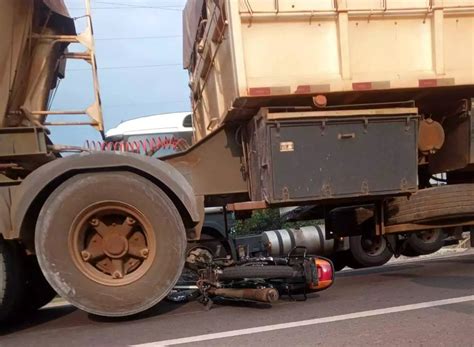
(425, 303)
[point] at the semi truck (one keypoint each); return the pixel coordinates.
(348, 106)
(217, 239)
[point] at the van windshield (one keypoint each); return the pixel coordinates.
(155, 145)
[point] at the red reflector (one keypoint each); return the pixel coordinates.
(303, 89)
(362, 86)
(260, 91)
(428, 83)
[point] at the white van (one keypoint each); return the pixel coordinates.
(145, 132)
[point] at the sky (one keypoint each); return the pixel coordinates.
(139, 56)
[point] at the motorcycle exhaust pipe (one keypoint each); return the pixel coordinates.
(262, 294)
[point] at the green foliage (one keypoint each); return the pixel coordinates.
(302, 223)
(263, 220)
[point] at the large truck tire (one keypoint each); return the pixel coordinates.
(12, 281)
(367, 251)
(437, 203)
(424, 242)
(112, 244)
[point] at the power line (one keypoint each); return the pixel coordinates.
(104, 105)
(128, 8)
(127, 4)
(138, 38)
(127, 67)
(121, 5)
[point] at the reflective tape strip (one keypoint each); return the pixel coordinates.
(303, 89)
(362, 86)
(260, 91)
(313, 88)
(371, 85)
(264, 91)
(428, 83)
(436, 82)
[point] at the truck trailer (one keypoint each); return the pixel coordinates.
(348, 106)
(163, 134)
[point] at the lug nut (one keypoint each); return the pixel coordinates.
(85, 255)
(94, 222)
(117, 275)
(144, 252)
(131, 221)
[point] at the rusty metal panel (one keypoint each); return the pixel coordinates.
(320, 159)
(214, 166)
(458, 149)
(20, 142)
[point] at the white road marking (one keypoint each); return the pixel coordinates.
(298, 324)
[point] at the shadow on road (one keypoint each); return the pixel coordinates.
(165, 307)
(446, 282)
(160, 309)
(36, 319)
(376, 270)
(47, 316)
(469, 261)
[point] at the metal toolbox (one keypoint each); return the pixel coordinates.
(320, 155)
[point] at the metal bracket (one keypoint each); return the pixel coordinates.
(86, 39)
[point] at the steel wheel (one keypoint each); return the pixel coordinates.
(367, 250)
(373, 246)
(429, 236)
(424, 242)
(112, 244)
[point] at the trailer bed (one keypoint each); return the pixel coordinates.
(276, 53)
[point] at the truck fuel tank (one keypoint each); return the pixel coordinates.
(281, 242)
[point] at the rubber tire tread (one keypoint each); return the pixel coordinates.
(262, 272)
(358, 258)
(58, 266)
(415, 246)
(12, 281)
(39, 292)
(407, 251)
(437, 203)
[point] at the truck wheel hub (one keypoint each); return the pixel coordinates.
(373, 246)
(428, 236)
(112, 243)
(115, 246)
